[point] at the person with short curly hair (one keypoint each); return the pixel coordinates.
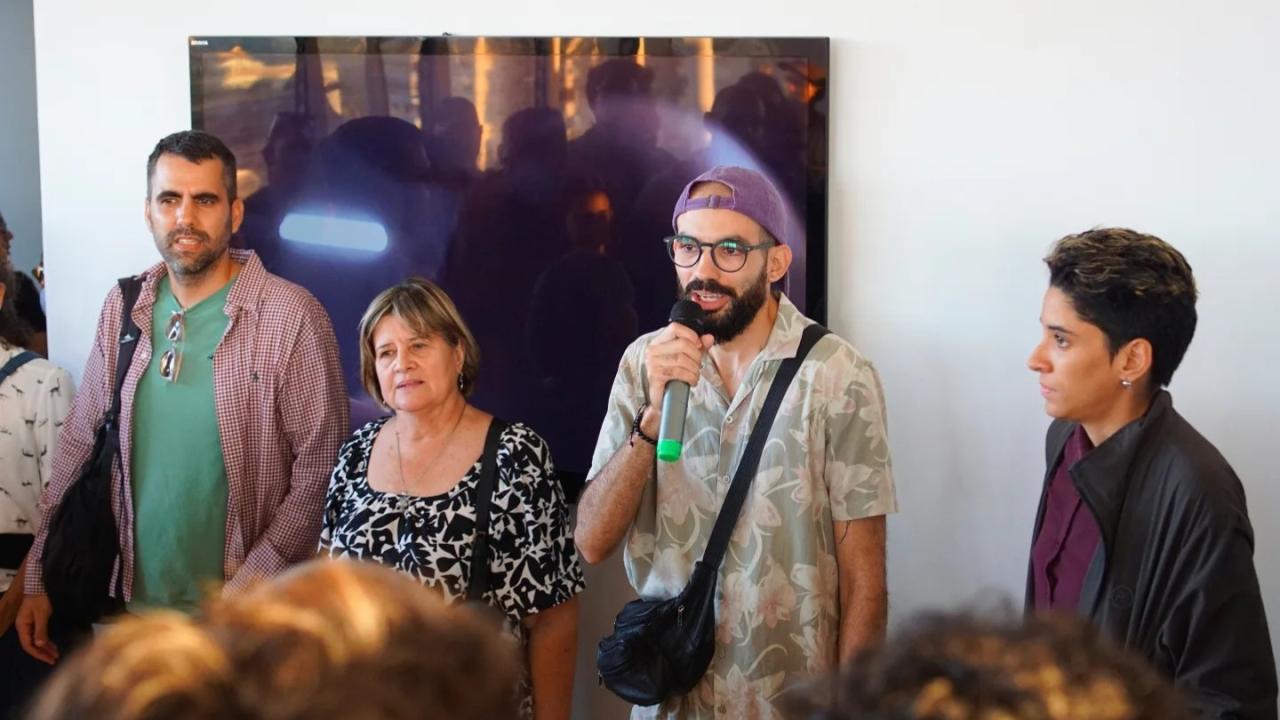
(1143, 526)
(974, 666)
(324, 640)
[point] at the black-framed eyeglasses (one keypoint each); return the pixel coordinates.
(729, 254)
(171, 359)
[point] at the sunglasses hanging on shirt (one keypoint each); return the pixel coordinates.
(171, 359)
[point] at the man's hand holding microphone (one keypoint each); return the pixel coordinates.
(673, 361)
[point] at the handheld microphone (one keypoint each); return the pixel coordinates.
(675, 397)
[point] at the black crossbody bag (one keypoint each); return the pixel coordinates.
(83, 541)
(661, 648)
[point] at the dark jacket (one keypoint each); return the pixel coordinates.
(1173, 577)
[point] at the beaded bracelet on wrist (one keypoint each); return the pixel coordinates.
(635, 428)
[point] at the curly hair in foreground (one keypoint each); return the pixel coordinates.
(968, 667)
(328, 639)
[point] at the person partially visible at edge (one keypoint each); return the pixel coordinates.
(404, 490)
(27, 300)
(231, 413)
(1142, 527)
(34, 400)
(802, 584)
(993, 666)
(323, 640)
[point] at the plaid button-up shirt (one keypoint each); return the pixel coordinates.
(282, 414)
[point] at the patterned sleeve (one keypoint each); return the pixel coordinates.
(338, 483)
(859, 474)
(51, 412)
(626, 396)
(535, 563)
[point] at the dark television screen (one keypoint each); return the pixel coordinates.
(533, 178)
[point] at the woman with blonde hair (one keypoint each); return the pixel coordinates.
(439, 483)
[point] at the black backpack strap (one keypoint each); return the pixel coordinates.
(130, 289)
(484, 498)
(746, 471)
(16, 362)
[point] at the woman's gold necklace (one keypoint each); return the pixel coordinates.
(404, 485)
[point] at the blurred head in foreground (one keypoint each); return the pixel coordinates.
(969, 667)
(328, 639)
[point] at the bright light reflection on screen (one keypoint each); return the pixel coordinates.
(335, 232)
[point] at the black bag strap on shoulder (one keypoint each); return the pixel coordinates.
(661, 648)
(746, 472)
(487, 481)
(130, 289)
(82, 541)
(16, 362)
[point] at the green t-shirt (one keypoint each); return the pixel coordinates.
(179, 479)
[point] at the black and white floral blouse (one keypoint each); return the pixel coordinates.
(532, 560)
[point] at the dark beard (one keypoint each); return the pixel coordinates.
(192, 267)
(729, 323)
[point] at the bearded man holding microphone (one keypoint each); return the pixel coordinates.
(802, 577)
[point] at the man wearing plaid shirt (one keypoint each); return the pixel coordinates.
(233, 407)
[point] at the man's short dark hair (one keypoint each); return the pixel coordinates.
(966, 666)
(195, 146)
(1130, 285)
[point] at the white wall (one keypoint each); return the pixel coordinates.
(19, 155)
(966, 137)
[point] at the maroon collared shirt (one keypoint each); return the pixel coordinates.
(1068, 536)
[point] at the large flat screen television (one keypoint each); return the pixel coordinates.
(533, 178)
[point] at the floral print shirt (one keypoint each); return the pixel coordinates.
(826, 460)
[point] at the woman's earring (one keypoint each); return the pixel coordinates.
(462, 383)
(1126, 383)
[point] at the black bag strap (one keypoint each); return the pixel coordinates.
(484, 498)
(746, 471)
(16, 362)
(130, 288)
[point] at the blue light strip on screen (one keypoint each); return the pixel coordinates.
(334, 232)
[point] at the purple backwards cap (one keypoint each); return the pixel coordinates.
(750, 193)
